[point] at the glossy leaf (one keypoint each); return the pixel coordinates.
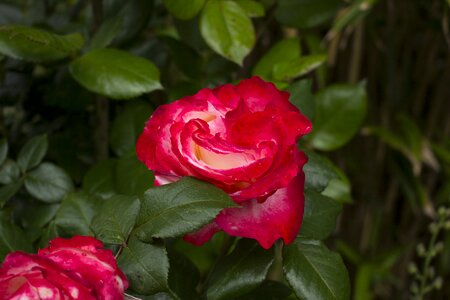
(146, 266)
(135, 15)
(3, 150)
(302, 97)
(131, 176)
(37, 214)
(227, 29)
(319, 171)
(9, 172)
(339, 189)
(37, 45)
(314, 272)
(106, 33)
(306, 13)
(240, 272)
(183, 286)
(183, 9)
(284, 51)
(340, 110)
(115, 73)
(298, 67)
(270, 290)
(116, 219)
(128, 125)
(48, 183)
(34, 216)
(319, 218)
(12, 238)
(75, 214)
(48, 234)
(178, 208)
(8, 191)
(99, 180)
(32, 153)
(252, 8)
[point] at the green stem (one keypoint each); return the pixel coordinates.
(423, 289)
(275, 272)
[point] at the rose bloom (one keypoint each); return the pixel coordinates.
(243, 139)
(76, 268)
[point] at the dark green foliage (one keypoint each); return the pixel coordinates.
(371, 75)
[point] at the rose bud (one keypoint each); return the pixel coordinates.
(243, 139)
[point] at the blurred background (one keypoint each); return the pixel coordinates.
(392, 142)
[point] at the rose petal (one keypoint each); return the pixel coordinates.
(287, 163)
(202, 235)
(85, 258)
(280, 216)
(27, 275)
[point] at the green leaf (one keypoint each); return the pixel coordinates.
(48, 183)
(7, 191)
(132, 177)
(389, 138)
(340, 110)
(205, 256)
(116, 219)
(178, 208)
(34, 215)
(3, 150)
(270, 290)
(306, 13)
(442, 153)
(76, 212)
(339, 189)
(252, 8)
(363, 281)
(184, 286)
(240, 272)
(37, 45)
(48, 234)
(314, 272)
(32, 153)
(128, 125)
(319, 171)
(106, 33)
(284, 51)
(295, 68)
(135, 14)
(302, 97)
(350, 17)
(410, 132)
(227, 29)
(319, 218)
(115, 73)
(12, 238)
(146, 266)
(183, 9)
(99, 180)
(9, 172)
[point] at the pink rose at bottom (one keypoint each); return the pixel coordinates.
(76, 268)
(243, 139)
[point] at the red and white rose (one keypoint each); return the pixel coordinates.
(76, 268)
(243, 139)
